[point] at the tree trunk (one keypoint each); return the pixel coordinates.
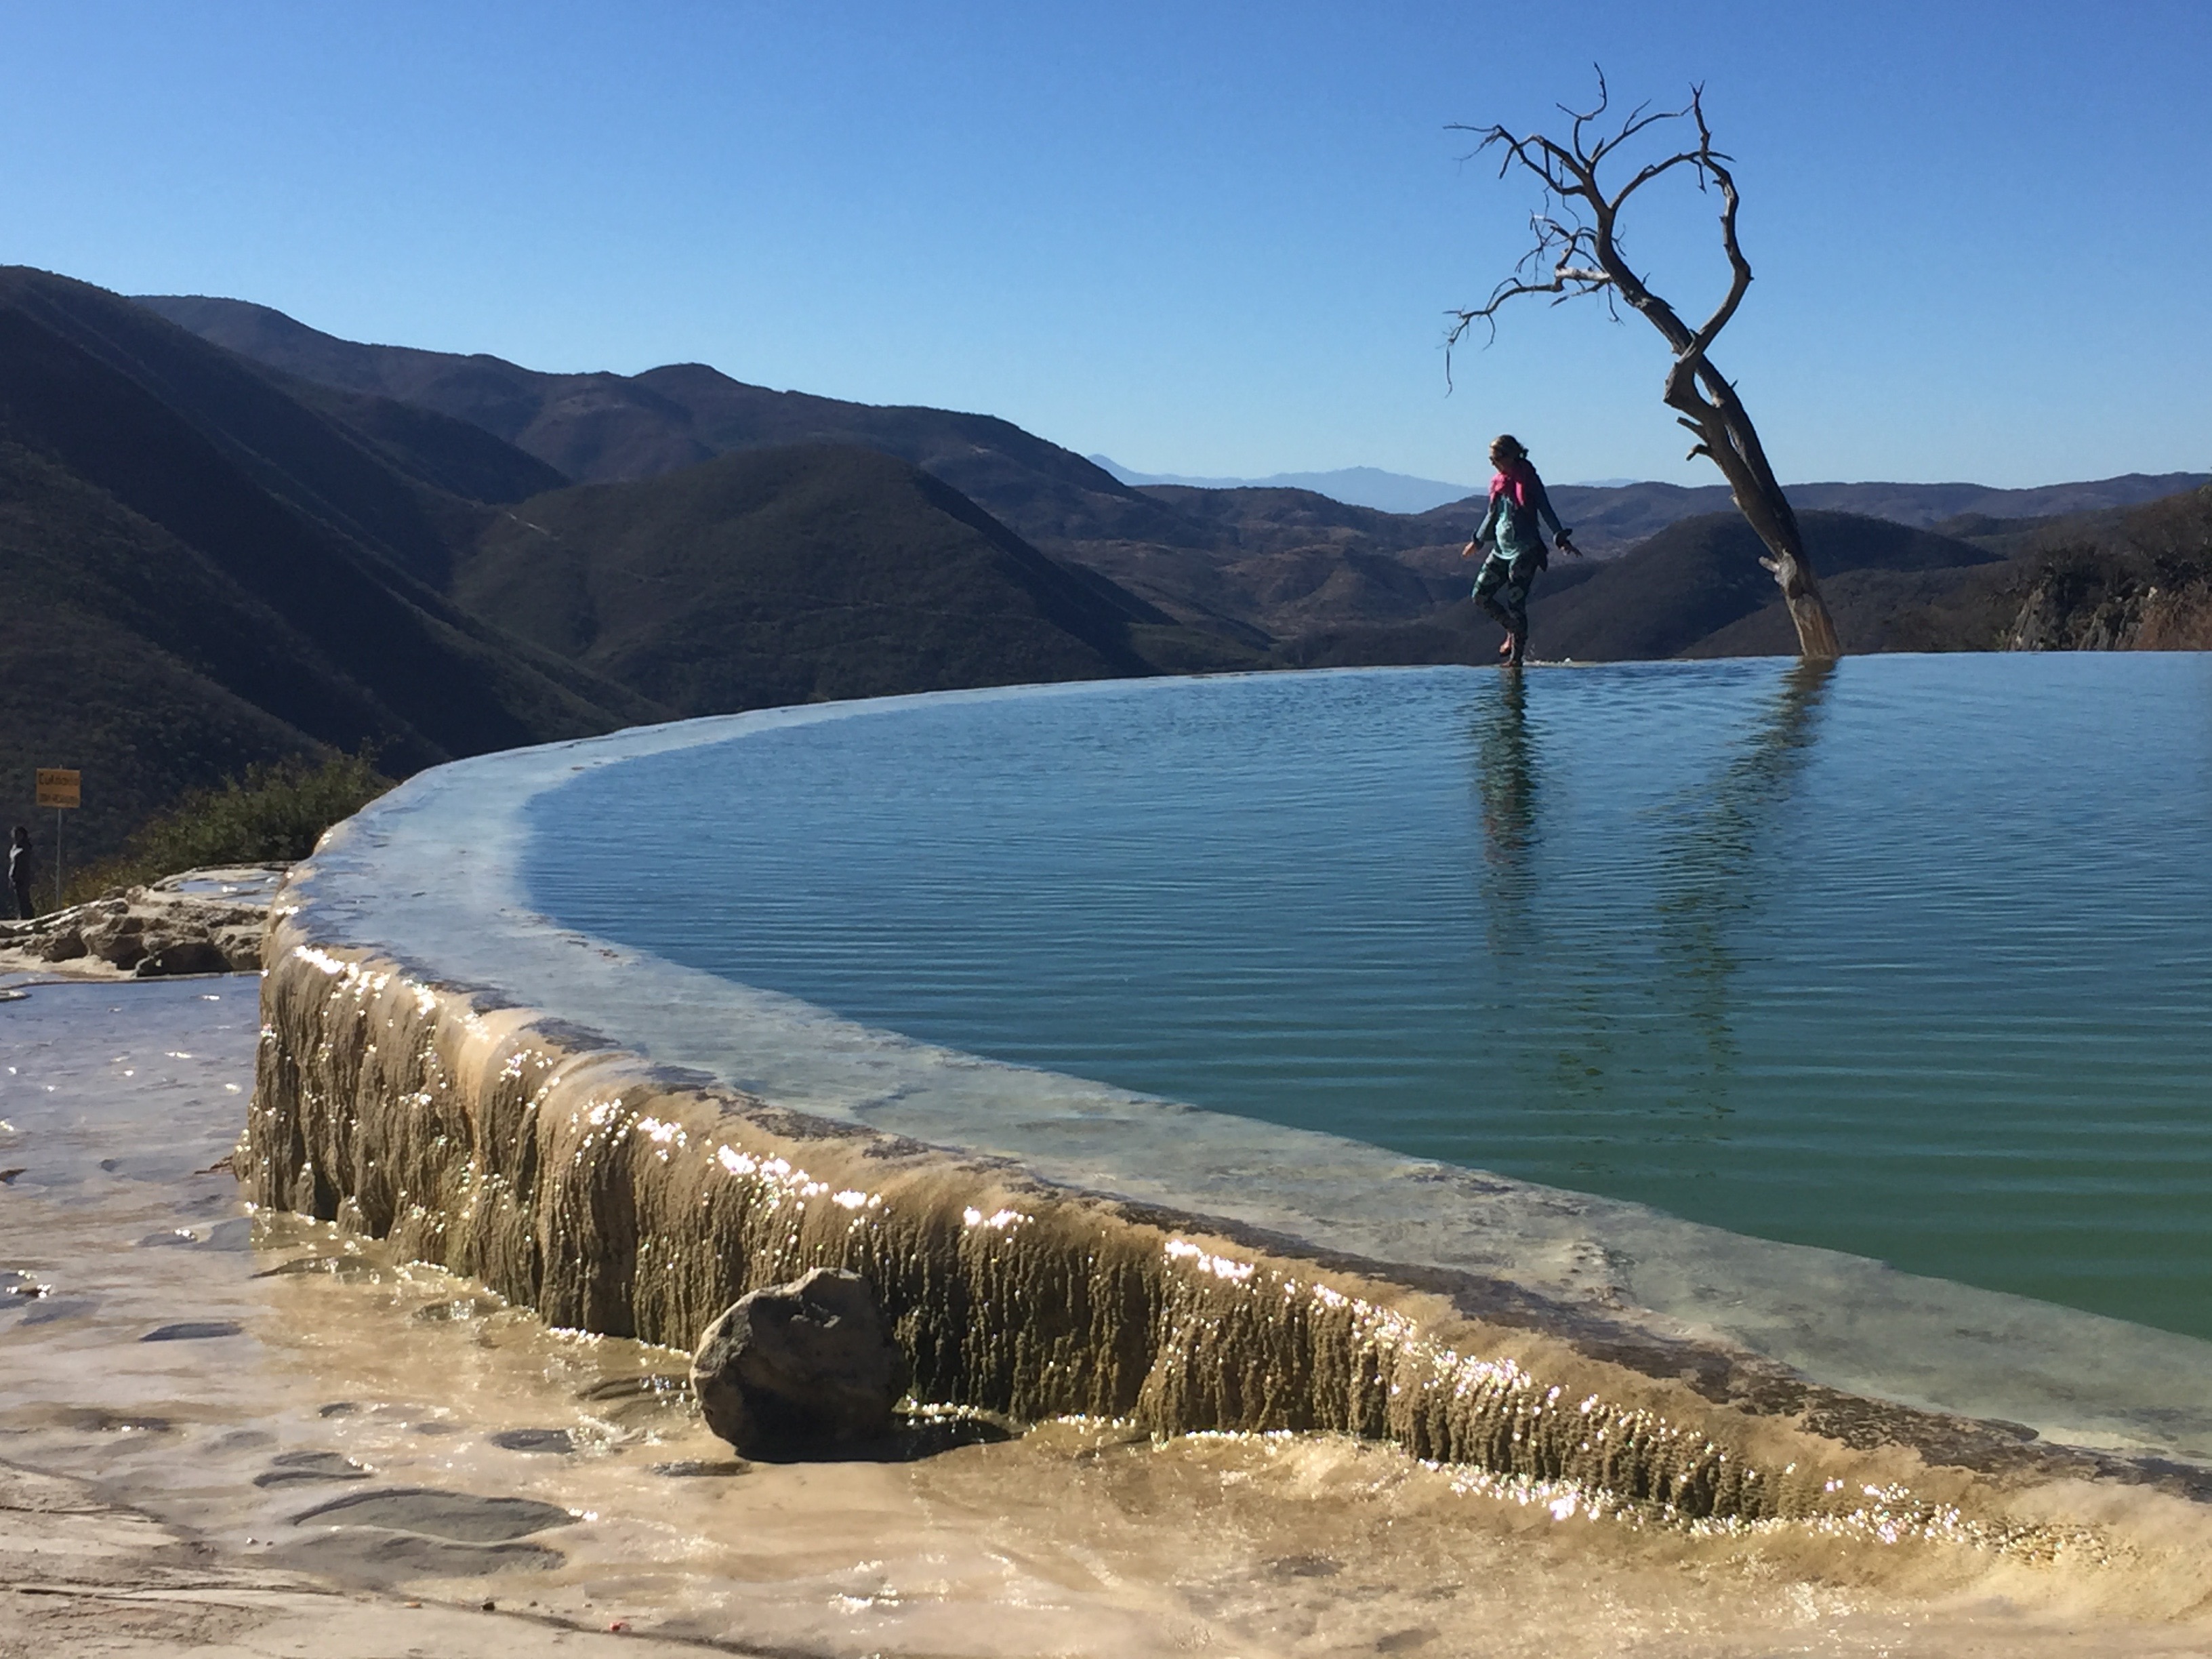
(1726, 437)
(1769, 512)
(1816, 630)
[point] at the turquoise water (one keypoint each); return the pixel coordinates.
(1911, 958)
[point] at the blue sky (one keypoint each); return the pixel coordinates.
(1202, 238)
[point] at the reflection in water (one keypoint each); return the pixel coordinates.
(1542, 929)
(1505, 779)
(1617, 1070)
(1716, 872)
(1547, 1020)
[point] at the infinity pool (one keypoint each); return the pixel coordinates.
(1911, 958)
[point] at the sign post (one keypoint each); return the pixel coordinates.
(58, 789)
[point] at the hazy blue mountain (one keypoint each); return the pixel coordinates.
(1615, 514)
(1356, 486)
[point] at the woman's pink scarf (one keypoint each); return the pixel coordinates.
(1514, 480)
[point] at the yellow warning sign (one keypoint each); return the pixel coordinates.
(56, 787)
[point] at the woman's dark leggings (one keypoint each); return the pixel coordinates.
(1501, 587)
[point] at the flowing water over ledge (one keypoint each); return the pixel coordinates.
(328, 1386)
(420, 1082)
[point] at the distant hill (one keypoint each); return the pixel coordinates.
(797, 575)
(2136, 579)
(1611, 517)
(611, 428)
(450, 456)
(201, 573)
(210, 561)
(605, 427)
(1240, 575)
(1609, 520)
(1355, 486)
(1697, 589)
(1258, 567)
(1265, 566)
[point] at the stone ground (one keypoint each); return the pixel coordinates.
(203, 922)
(79, 1576)
(230, 1436)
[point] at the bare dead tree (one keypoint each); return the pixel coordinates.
(1577, 253)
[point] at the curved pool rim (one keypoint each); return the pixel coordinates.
(429, 878)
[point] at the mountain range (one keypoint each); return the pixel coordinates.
(208, 563)
(227, 537)
(1355, 486)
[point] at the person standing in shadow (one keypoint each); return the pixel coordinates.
(19, 872)
(1517, 503)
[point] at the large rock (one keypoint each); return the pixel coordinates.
(798, 1368)
(64, 945)
(186, 956)
(119, 941)
(203, 921)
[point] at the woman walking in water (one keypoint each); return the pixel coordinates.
(1517, 502)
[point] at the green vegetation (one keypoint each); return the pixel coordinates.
(276, 812)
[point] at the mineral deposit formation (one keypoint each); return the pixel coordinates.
(575, 1177)
(613, 1195)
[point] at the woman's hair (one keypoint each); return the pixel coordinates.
(1509, 445)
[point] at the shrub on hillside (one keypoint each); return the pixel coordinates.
(2177, 534)
(2146, 584)
(275, 812)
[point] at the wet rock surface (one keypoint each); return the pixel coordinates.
(79, 1574)
(464, 1518)
(201, 921)
(154, 1514)
(1083, 1536)
(794, 1369)
(303, 1469)
(403, 1533)
(700, 1468)
(369, 1556)
(194, 1330)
